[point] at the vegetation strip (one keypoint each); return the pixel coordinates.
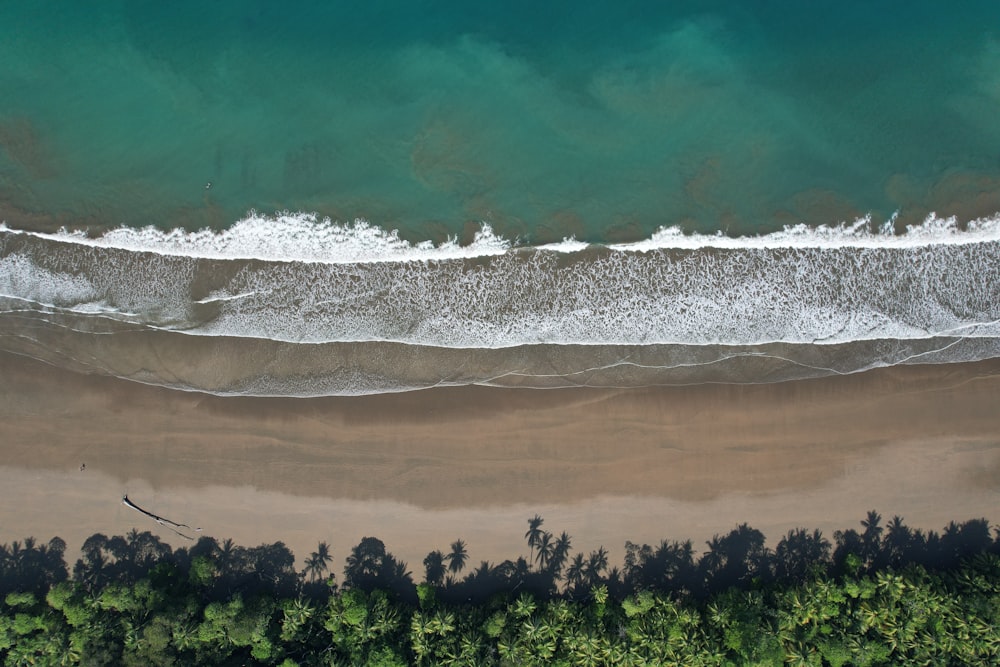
(883, 595)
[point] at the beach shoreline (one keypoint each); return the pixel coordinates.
(421, 469)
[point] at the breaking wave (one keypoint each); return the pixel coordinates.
(327, 308)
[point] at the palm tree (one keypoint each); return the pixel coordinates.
(534, 534)
(457, 557)
(434, 568)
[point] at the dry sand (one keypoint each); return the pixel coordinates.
(422, 469)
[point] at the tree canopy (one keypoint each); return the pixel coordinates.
(885, 594)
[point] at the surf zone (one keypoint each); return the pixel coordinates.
(325, 308)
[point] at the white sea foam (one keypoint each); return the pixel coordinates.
(305, 237)
(22, 279)
(858, 234)
(827, 285)
(294, 237)
(567, 245)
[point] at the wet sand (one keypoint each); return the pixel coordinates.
(422, 469)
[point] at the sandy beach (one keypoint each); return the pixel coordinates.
(424, 468)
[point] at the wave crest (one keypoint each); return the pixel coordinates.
(306, 237)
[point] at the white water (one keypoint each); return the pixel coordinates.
(305, 237)
(297, 279)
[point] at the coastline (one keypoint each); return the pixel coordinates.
(421, 469)
(714, 204)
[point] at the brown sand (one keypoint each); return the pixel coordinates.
(422, 469)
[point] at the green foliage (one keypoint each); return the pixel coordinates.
(182, 611)
(427, 595)
(119, 597)
(495, 625)
(386, 656)
(20, 600)
(6, 632)
(524, 606)
(296, 620)
(600, 595)
(638, 605)
(357, 621)
(202, 572)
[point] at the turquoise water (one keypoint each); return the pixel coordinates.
(650, 193)
(597, 121)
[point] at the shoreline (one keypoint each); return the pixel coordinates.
(424, 468)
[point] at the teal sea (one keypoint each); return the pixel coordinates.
(327, 198)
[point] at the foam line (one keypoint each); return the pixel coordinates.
(305, 237)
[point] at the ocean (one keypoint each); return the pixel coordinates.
(326, 199)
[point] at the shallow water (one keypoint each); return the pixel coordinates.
(481, 134)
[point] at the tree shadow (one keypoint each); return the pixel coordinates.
(669, 567)
(32, 567)
(737, 560)
(220, 570)
(800, 555)
(897, 545)
(125, 558)
(370, 567)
